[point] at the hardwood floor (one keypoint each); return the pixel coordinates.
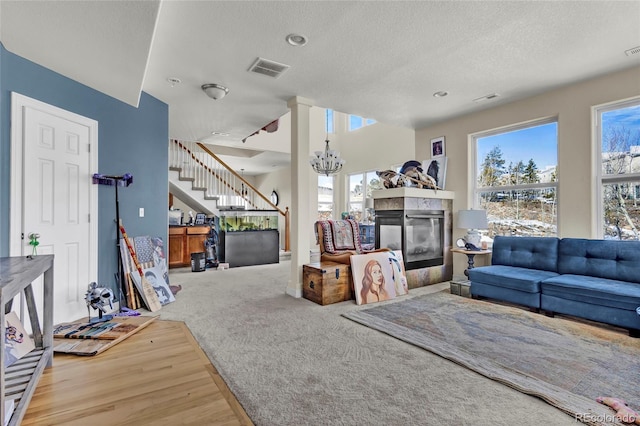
(157, 376)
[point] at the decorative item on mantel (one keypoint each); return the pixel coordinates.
(410, 174)
(437, 169)
(327, 162)
(473, 220)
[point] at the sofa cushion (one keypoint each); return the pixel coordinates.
(611, 259)
(522, 279)
(526, 252)
(593, 290)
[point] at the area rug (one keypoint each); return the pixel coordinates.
(566, 363)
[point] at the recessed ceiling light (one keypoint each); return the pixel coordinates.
(440, 94)
(296, 39)
(214, 133)
(173, 81)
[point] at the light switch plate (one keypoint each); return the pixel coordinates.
(141, 212)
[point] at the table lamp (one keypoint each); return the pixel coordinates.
(472, 221)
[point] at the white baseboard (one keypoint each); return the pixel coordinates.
(294, 292)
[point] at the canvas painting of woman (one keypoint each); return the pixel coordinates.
(378, 276)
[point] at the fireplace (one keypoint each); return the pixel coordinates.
(418, 233)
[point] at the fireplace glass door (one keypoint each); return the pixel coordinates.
(418, 233)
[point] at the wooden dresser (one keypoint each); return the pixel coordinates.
(184, 240)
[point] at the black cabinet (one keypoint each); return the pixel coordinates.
(245, 248)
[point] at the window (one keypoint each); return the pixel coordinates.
(356, 122)
(325, 197)
(360, 187)
(329, 121)
(516, 179)
(619, 175)
(325, 183)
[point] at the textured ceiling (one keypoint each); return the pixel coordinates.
(381, 60)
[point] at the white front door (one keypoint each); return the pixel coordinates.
(57, 200)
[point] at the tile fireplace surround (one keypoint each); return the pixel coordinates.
(428, 200)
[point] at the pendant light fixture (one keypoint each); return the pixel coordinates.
(327, 162)
(215, 91)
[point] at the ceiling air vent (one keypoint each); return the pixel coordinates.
(268, 68)
(633, 51)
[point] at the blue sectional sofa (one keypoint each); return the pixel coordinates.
(594, 279)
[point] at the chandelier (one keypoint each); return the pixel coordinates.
(327, 162)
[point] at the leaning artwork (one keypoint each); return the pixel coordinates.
(150, 253)
(437, 169)
(155, 277)
(378, 276)
(17, 342)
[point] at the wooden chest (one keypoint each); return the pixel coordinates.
(327, 282)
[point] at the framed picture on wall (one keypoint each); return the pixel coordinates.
(437, 147)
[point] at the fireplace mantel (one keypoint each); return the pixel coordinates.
(407, 192)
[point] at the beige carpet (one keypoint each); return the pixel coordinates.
(292, 362)
(567, 363)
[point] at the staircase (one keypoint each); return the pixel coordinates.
(197, 175)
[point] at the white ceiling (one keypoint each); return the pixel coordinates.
(380, 59)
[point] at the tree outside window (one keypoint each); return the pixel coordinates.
(619, 136)
(517, 179)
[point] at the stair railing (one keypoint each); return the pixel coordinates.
(196, 162)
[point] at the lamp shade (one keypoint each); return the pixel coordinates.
(472, 219)
(368, 203)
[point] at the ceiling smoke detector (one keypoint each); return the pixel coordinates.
(269, 68)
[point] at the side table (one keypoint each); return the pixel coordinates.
(470, 256)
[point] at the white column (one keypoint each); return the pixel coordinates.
(300, 181)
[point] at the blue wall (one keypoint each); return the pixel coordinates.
(131, 140)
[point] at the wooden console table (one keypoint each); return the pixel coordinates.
(18, 382)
